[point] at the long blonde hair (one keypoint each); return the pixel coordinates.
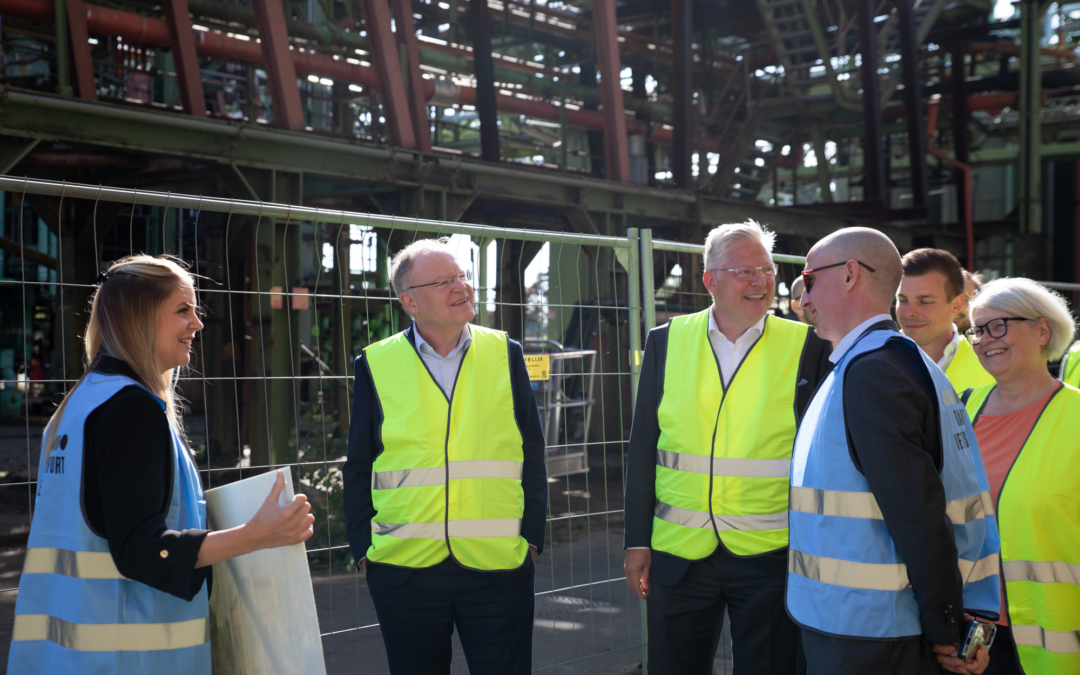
(124, 315)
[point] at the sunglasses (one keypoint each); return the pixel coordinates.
(808, 279)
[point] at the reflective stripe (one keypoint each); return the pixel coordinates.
(486, 527)
(834, 503)
(981, 569)
(406, 478)
(472, 468)
(78, 564)
(1048, 572)
(849, 574)
(410, 530)
(485, 468)
(961, 511)
(1057, 641)
(743, 523)
(724, 466)
(111, 637)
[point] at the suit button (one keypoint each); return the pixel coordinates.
(164, 554)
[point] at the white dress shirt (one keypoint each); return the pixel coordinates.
(950, 349)
(731, 354)
(443, 368)
(850, 338)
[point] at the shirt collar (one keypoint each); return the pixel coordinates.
(851, 337)
(950, 349)
(751, 333)
(424, 348)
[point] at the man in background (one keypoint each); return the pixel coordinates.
(796, 302)
(931, 294)
(972, 284)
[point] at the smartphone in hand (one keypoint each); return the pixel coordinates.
(978, 633)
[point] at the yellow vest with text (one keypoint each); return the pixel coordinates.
(724, 453)
(1070, 366)
(1039, 520)
(448, 479)
(964, 371)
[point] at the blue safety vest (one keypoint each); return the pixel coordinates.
(845, 575)
(75, 612)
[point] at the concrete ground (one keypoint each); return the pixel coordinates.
(587, 621)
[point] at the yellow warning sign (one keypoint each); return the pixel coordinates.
(539, 366)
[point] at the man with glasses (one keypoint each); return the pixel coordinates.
(890, 538)
(445, 483)
(718, 401)
(797, 288)
(931, 294)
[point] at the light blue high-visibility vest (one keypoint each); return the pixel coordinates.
(75, 612)
(845, 574)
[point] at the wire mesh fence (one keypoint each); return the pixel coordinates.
(291, 295)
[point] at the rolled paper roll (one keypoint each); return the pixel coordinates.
(262, 609)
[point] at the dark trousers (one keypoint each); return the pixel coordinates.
(1003, 657)
(419, 609)
(829, 655)
(685, 618)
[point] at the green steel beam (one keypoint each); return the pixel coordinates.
(1029, 194)
(56, 119)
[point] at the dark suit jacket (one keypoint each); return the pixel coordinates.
(365, 445)
(645, 433)
(894, 438)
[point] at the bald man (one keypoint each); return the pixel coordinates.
(889, 541)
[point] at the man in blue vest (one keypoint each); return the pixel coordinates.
(445, 485)
(891, 535)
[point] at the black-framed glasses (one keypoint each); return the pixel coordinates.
(747, 273)
(464, 277)
(995, 328)
(807, 275)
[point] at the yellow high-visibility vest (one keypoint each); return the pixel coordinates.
(1039, 519)
(1070, 366)
(724, 454)
(964, 371)
(448, 480)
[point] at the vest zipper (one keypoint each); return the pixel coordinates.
(716, 425)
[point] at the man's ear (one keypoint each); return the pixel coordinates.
(409, 303)
(958, 304)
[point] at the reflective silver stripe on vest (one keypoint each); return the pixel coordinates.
(111, 637)
(743, 523)
(1048, 572)
(410, 530)
(961, 511)
(470, 468)
(488, 527)
(849, 574)
(465, 529)
(78, 564)
(835, 503)
(724, 466)
(1056, 641)
(982, 568)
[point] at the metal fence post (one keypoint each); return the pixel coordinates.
(634, 292)
(648, 281)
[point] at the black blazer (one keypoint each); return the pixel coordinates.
(365, 446)
(640, 500)
(894, 438)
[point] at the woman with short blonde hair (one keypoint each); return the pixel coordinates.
(117, 570)
(1028, 429)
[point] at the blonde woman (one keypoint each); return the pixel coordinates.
(1028, 428)
(117, 571)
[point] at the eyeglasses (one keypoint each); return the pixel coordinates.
(747, 273)
(996, 328)
(808, 279)
(464, 277)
